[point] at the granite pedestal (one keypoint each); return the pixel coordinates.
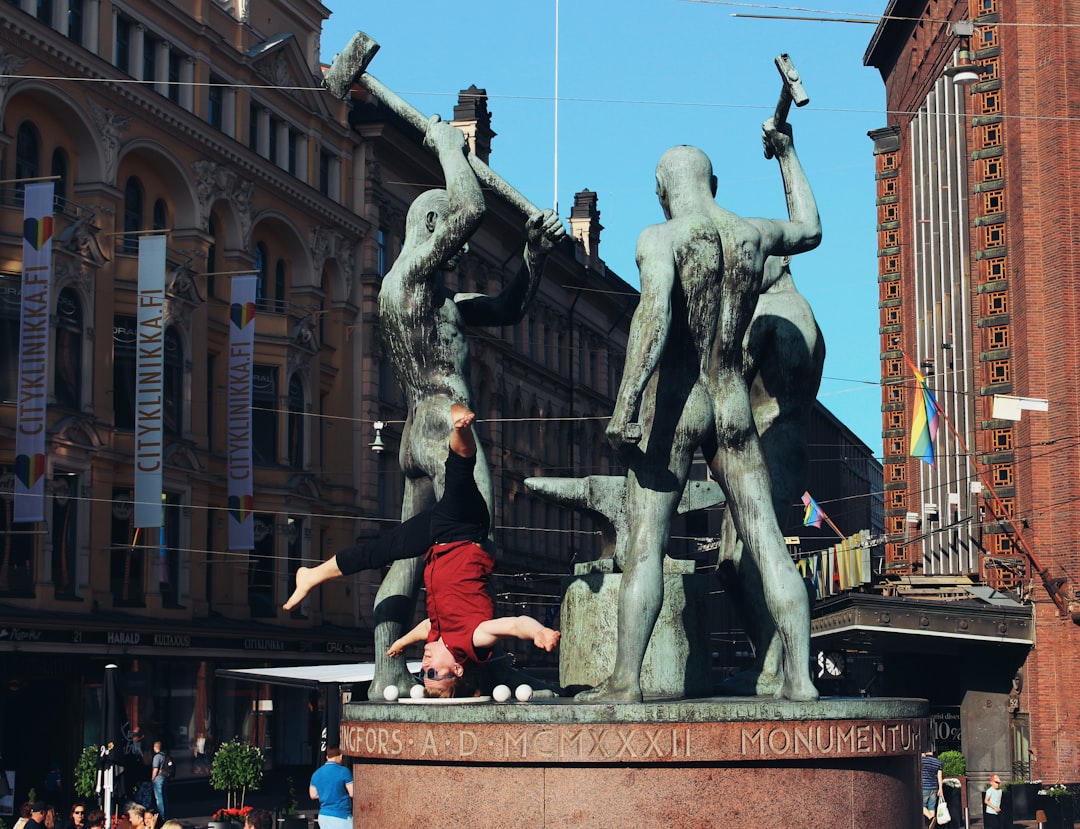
(716, 762)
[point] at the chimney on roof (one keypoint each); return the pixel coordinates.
(471, 116)
(585, 228)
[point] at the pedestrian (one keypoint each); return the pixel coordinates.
(78, 816)
(37, 815)
(259, 819)
(95, 819)
(931, 785)
(24, 815)
(331, 785)
(136, 815)
(159, 775)
(992, 804)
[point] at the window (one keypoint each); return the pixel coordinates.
(890, 212)
(991, 103)
(994, 268)
(76, 17)
(995, 235)
(997, 336)
(1002, 475)
(264, 418)
(149, 58)
(896, 499)
(891, 315)
(261, 268)
(67, 380)
(991, 169)
(897, 472)
(290, 159)
(166, 551)
(45, 11)
(59, 168)
(211, 257)
(10, 307)
(987, 36)
(65, 532)
(888, 161)
(296, 423)
(27, 155)
(382, 254)
(887, 187)
(124, 359)
(890, 238)
(261, 569)
(894, 420)
(133, 211)
(895, 394)
(894, 368)
(126, 562)
(176, 61)
(891, 289)
(990, 135)
(18, 557)
(998, 371)
(122, 58)
(890, 264)
(215, 102)
(1001, 440)
(272, 152)
(172, 419)
(160, 215)
(997, 302)
(253, 126)
(994, 202)
(279, 285)
(324, 172)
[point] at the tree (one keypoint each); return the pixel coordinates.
(85, 774)
(237, 767)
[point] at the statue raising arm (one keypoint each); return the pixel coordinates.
(802, 231)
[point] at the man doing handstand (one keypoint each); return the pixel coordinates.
(459, 630)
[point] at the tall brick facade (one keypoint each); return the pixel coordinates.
(978, 243)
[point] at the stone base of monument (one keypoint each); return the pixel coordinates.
(738, 762)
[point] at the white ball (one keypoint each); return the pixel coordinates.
(523, 693)
(500, 693)
(390, 693)
(417, 692)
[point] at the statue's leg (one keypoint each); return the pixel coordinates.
(742, 580)
(742, 473)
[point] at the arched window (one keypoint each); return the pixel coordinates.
(27, 154)
(173, 385)
(279, 285)
(60, 171)
(161, 215)
(261, 268)
(125, 337)
(211, 257)
(133, 214)
(67, 380)
(296, 423)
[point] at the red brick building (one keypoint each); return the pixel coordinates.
(979, 242)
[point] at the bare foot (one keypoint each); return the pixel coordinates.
(305, 580)
(798, 690)
(611, 691)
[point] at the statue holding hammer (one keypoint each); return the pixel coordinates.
(424, 323)
(683, 388)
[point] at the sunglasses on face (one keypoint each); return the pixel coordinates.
(432, 674)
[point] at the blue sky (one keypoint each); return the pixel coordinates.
(638, 76)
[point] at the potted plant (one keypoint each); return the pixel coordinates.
(1058, 803)
(85, 776)
(289, 818)
(953, 770)
(237, 767)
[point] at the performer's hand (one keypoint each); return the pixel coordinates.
(396, 649)
(546, 639)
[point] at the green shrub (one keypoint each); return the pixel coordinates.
(237, 767)
(953, 763)
(85, 775)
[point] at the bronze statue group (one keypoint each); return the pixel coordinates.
(724, 356)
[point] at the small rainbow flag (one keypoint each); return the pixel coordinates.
(924, 422)
(813, 514)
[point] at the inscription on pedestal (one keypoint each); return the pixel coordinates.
(622, 743)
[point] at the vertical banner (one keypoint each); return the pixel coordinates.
(149, 381)
(33, 353)
(238, 421)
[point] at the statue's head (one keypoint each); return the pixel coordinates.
(683, 171)
(423, 219)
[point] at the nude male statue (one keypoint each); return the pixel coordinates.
(423, 327)
(784, 354)
(701, 274)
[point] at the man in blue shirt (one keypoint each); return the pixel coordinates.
(331, 785)
(931, 784)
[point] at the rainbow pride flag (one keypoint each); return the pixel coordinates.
(813, 515)
(924, 423)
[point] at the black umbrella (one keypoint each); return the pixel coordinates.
(110, 751)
